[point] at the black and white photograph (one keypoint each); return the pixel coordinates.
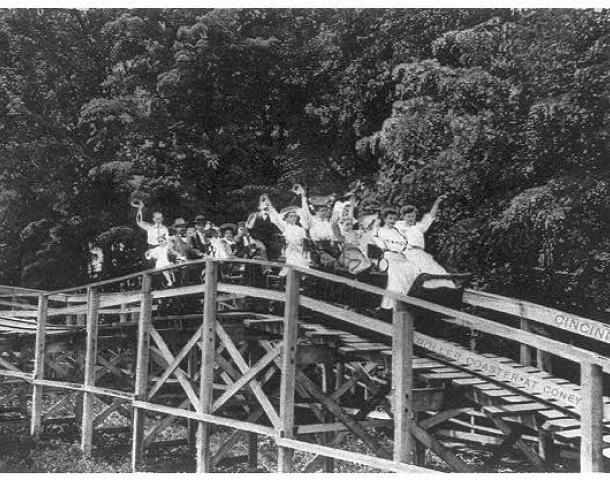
(257, 239)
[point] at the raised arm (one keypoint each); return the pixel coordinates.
(139, 220)
(251, 220)
(305, 213)
(437, 202)
(428, 218)
(336, 230)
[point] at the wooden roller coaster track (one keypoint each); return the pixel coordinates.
(319, 369)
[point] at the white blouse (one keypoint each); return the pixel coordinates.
(414, 234)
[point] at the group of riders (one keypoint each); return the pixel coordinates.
(322, 232)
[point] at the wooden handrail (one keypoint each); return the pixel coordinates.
(455, 316)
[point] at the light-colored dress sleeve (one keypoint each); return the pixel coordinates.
(425, 222)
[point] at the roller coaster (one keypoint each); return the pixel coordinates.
(306, 360)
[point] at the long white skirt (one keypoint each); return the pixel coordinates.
(404, 268)
(295, 255)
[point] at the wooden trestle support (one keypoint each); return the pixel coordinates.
(293, 378)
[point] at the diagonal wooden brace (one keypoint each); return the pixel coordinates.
(255, 386)
(179, 373)
(175, 363)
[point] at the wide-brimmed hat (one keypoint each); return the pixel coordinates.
(179, 223)
(228, 225)
(199, 219)
(290, 209)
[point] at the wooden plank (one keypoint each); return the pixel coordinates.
(402, 384)
(81, 388)
(38, 374)
(592, 417)
(86, 443)
(142, 355)
(548, 316)
(288, 369)
(375, 462)
(340, 427)
(496, 371)
(205, 417)
(208, 351)
(569, 352)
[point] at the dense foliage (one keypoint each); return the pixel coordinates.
(200, 111)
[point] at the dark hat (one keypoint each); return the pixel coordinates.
(228, 225)
(179, 223)
(199, 219)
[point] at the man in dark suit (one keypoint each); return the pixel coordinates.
(198, 246)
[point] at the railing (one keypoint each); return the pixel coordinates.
(588, 407)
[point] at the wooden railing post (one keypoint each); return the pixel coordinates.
(137, 452)
(93, 303)
(592, 417)
(208, 344)
(41, 325)
(287, 383)
(525, 351)
(402, 384)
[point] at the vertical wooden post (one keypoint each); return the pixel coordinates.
(141, 384)
(339, 376)
(525, 351)
(252, 451)
(252, 437)
(191, 426)
(287, 383)
(591, 418)
(329, 462)
(41, 325)
(93, 303)
(402, 384)
(208, 340)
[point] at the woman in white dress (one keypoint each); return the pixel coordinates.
(294, 235)
(401, 272)
(351, 236)
(414, 233)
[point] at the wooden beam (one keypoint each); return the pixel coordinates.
(176, 362)
(38, 374)
(208, 350)
(402, 384)
(525, 350)
(548, 316)
(89, 373)
(168, 358)
(287, 382)
(143, 347)
(380, 463)
(255, 385)
(246, 378)
(592, 418)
